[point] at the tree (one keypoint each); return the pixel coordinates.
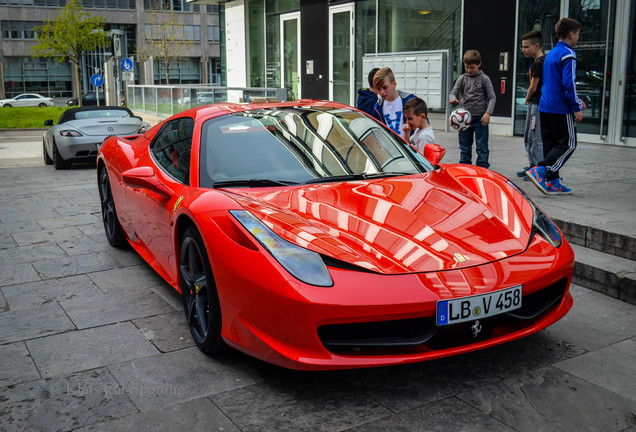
(165, 36)
(68, 36)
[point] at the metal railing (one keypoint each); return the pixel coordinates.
(167, 100)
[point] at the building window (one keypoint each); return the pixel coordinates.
(45, 76)
(183, 71)
(173, 5)
(214, 34)
(94, 4)
(19, 29)
(181, 33)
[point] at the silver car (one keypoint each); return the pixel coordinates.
(27, 100)
(80, 131)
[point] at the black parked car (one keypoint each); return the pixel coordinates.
(88, 100)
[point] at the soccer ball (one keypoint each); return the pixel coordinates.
(460, 119)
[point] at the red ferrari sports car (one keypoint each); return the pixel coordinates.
(308, 235)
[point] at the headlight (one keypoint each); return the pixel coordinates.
(541, 223)
(70, 133)
(303, 264)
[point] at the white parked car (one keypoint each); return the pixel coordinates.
(27, 100)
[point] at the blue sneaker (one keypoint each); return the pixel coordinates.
(556, 188)
(537, 175)
(522, 173)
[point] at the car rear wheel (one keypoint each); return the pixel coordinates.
(114, 233)
(42, 105)
(200, 298)
(47, 159)
(58, 160)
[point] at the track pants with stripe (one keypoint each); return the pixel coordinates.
(558, 132)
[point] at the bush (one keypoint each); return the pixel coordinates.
(28, 117)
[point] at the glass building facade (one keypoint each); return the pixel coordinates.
(315, 49)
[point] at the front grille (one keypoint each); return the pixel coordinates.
(422, 334)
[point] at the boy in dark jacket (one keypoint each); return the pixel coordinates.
(531, 43)
(367, 97)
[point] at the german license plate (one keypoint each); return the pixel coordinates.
(477, 307)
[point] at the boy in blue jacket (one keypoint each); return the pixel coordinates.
(559, 109)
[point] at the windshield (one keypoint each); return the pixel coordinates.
(297, 145)
(113, 113)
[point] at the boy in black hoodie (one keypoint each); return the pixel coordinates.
(367, 97)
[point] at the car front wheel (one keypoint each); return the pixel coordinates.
(114, 233)
(200, 298)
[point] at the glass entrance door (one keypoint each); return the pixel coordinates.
(290, 54)
(594, 54)
(341, 54)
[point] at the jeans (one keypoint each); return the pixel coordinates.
(466, 144)
(532, 135)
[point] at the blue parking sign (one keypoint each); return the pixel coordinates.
(97, 80)
(127, 64)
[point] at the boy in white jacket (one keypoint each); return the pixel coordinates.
(416, 113)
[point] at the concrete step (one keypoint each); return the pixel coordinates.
(597, 239)
(606, 273)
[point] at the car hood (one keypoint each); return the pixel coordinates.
(446, 219)
(103, 126)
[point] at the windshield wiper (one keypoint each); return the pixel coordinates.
(253, 183)
(387, 174)
(343, 177)
(361, 176)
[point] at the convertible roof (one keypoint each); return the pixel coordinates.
(69, 114)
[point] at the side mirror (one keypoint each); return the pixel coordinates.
(48, 122)
(434, 153)
(145, 178)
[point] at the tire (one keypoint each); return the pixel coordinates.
(7, 105)
(58, 160)
(42, 105)
(200, 297)
(112, 228)
(47, 159)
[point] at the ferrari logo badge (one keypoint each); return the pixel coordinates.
(476, 328)
(459, 258)
(176, 204)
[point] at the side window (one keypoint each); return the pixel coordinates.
(171, 148)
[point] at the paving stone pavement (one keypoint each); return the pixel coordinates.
(91, 339)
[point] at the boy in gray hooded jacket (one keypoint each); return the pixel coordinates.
(473, 91)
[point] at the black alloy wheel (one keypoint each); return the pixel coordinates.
(47, 159)
(200, 298)
(112, 228)
(58, 160)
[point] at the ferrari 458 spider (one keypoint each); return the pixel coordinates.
(310, 236)
(80, 131)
